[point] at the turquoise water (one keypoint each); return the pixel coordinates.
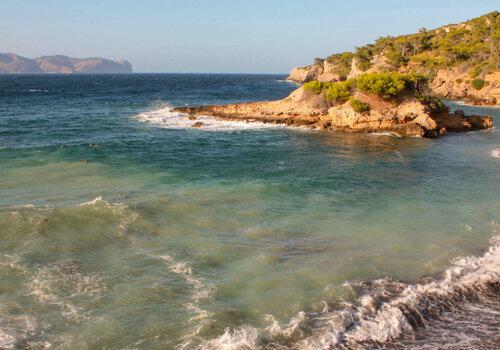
(121, 227)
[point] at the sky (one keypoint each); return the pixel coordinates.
(217, 36)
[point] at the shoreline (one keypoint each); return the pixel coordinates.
(408, 113)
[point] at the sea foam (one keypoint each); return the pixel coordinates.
(387, 310)
(166, 117)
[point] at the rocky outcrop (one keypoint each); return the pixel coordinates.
(457, 85)
(306, 74)
(407, 117)
(453, 83)
(321, 71)
(461, 61)
(14, 64)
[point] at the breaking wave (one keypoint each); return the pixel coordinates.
(165, 117)
(385, 311)
(385, 133)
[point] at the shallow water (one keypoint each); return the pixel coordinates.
(123, 227)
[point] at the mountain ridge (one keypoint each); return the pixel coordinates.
(11, 63)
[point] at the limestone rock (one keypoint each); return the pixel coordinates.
(406, 117)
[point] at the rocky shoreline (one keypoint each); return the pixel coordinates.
(406, 116)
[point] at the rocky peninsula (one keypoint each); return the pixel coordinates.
(392, 86)
(391, 103)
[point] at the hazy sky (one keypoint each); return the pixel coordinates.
(261, 36)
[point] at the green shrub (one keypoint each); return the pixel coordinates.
(342, 61)
(386, 85)
(476, 70)
(434, 103)
(340, 91)
(428, 60)
(478, 84)
(395, 57)
(358, 105)
(316, 86)
(318, 61)
(336, 91)
(475, 43)
(364, 55)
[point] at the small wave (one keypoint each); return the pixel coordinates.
(121, 210)
(286, 81)
(386, 310)
(200, 291)
(37, 90)
(20, 206)
(165, 117)
(385, 133)
(495, 153)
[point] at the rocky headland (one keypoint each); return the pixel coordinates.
(372, 103)
(392, 86)
(11, 63)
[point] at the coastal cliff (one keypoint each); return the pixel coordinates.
(462, 61)
(391, 103)
(14, 64)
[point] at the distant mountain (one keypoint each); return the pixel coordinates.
(11, 63)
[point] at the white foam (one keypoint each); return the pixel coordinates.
(385, 133)
(16, 330)
(200, 292)
(119, 209)
(76, 280)
(165, 117)
(495, 153)
(353, 325)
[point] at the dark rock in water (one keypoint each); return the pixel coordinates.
(479, 122)
(191, 117)
(197, 125)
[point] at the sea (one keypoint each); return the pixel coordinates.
(123, 227)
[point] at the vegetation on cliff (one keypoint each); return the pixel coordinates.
(359, 106)
(478, 84)
(474, 44)
(386, 85)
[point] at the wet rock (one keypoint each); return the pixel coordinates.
(479, 122)
(197, 125)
